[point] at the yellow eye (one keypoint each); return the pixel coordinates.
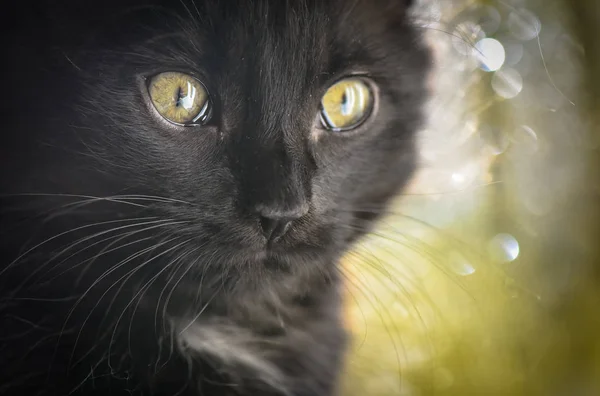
(180, 98)
(346, 104)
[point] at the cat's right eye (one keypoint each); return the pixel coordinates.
(180, 98)
(346, 104)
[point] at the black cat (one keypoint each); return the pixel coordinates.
(179, 180)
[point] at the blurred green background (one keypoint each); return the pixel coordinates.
(484, 277)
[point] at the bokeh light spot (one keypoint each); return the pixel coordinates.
(490, 53)
(504, 248)
(507, 83)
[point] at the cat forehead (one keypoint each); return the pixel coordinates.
(300, 18)
(235, 35)
(268, 11)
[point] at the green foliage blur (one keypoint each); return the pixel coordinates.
(425, 323)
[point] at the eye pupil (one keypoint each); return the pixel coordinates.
(178, 96)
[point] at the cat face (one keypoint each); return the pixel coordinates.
(273, 131)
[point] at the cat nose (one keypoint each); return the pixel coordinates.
(276, 223)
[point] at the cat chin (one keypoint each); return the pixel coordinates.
(290, 260)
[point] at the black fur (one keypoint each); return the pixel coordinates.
(132, 255)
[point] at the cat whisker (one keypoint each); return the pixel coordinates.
(380, 272)
(164, 225)
(147, 251)
(155, 198)
(174, 287)
(394, 274)
(158, 366)
(453, 35)
(200, 312)
(141, 290)
(384, 210)
(78, 242)
(71, 62)
(97, 281)
(164, 288)
(34, 326)
(149, 283)
(453, 192)
(362, 314)
(86, 378)
(166, 239)
(30, 250)
(122, 281)
(74, 267)
(124, 199)
(430, 254)
(85, 198)
(394, 279)
(55, 300)
(118, 238)
(379, 306)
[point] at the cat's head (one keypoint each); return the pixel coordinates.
(275, 132)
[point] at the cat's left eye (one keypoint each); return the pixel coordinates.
(346, 104)
(180, 98)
